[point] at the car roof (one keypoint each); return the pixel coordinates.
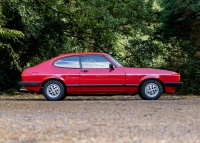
(83, 53)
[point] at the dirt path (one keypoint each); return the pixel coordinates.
(120, 119)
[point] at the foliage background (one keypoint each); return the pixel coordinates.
(140, 33)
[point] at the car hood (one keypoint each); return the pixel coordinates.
(148, 71)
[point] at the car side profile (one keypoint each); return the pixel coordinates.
(96, 73)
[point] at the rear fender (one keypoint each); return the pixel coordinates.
(53, 77)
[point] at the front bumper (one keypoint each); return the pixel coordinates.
(173, 84)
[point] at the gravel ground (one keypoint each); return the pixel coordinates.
(101, 119)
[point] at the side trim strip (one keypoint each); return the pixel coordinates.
(135, 85)
(72, 85)
(96, 85)
(101, 84)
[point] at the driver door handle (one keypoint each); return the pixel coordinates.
(84, 70)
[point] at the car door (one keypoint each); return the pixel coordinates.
(97, 77)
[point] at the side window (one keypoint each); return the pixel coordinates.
(94, 62)
(68, 62)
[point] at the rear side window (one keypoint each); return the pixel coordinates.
(68, 62)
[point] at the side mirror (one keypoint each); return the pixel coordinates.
(111, 66)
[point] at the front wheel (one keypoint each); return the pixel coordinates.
(54, 90)
(151, 90)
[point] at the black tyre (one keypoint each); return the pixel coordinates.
(54, 90)
(64, 96)
(151, 90)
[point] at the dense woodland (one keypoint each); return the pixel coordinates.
(139, 33)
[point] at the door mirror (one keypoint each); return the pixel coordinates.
(111, 66)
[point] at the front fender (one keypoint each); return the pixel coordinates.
(150, 77)
(156, 77)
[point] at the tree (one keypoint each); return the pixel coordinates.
(101, 25)
(9, 59)
(35, 30)
(180, 32)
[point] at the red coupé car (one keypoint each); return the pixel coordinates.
(96, 73)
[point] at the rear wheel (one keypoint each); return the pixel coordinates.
(54, 90)
(151, 90)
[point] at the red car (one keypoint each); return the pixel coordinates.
(96, 73)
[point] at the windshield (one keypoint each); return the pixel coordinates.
(115, 61)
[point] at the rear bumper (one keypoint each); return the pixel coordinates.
(22, 84)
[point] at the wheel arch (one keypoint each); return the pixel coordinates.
(49, 79)
(146, 79)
